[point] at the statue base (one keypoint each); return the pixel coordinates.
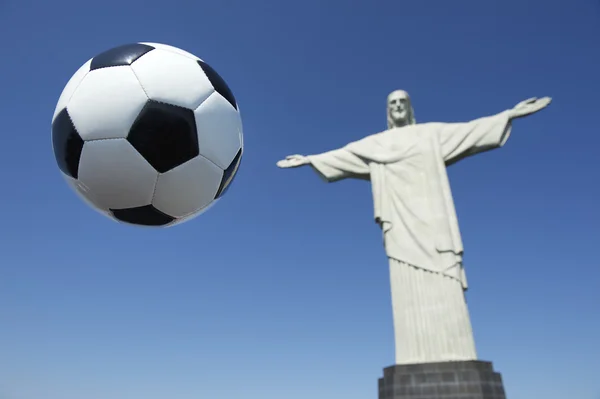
(457, 380)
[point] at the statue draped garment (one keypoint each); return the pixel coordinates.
(413, 205)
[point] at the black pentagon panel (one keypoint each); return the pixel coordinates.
(229, 174)
(218, 83)
(67, 144)
(119, 56)
(165, 135)
(144, 216)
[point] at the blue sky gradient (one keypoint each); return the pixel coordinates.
(281, 290)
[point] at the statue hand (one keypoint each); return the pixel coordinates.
(530, 106)
(293, 161)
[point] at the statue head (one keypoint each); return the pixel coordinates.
(399, 109)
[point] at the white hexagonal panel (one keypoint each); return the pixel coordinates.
(219, 130)
(172, 49)
(70, 88)
(193, 215)
(85, 195)
(116, 174)
(172, 78)
(187, 188)
(106, 103)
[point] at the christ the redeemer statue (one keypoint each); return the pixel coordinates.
(406, 165)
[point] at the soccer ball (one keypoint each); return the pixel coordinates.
(147, 134)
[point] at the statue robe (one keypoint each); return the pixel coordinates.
(414, 207)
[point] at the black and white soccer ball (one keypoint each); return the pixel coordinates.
(147, 134)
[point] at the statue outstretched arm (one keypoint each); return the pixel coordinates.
(332, 165)
(460, 140)
(529, 107)
(293, 161)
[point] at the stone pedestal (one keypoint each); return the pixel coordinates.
(446, 380)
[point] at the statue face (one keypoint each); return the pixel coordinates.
(398, 107)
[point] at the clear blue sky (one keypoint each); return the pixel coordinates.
(281, 290)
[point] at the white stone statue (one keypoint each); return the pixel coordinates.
(406, 165)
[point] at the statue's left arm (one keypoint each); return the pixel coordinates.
(460, 140)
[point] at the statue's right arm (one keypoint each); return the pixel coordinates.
(332, 165)
(339, 164)
(293, 161)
